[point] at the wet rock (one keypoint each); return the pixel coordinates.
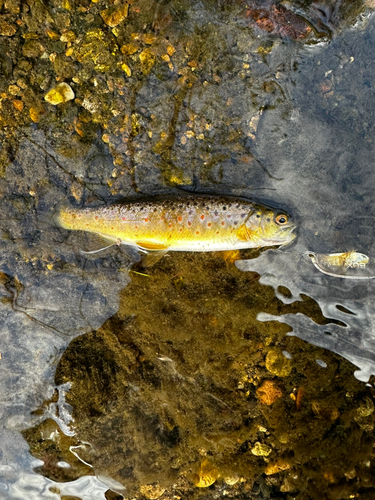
(6, 29)
(277, 363)
(261, 450)
(32, 49)
(60, 94)
(365, 408)
(276, 467)
(152, 492)
(114, 15)
(206, 475)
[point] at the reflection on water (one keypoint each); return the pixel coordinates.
(182, 381)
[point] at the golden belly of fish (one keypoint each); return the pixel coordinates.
(189, 223)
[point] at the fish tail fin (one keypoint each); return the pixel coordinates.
(60, 209)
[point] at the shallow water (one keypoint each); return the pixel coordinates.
(209, 375)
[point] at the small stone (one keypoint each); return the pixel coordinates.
(129, 49)
(126, 69)
(276, 467)
(114, 15)
(147, 59)
(231, 479)
(68, 36)
(18, 104)
(152, 491)
(14, 89)
(36, 114)
(277, 364)
(261, 450)
(149, 38)
(207, 475)
(268, 392)
(32, 48)
(60, 94)
(365, 408)
(6, 29)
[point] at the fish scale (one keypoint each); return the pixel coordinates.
(190, 223)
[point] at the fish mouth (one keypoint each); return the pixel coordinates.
(288, 238)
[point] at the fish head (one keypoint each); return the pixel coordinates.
(267, 226)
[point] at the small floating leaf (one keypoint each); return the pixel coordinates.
(349, 265)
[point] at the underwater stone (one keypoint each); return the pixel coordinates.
(6, 29)
(277, 364)
(207, 475)
(261, 450)
(269, 392)
(60, 94)
(152, 491)
(113, 16)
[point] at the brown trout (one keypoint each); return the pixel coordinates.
(189, 223)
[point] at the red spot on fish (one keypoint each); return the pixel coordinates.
(170, 225)
(222, 223)
(96, 217)
(197, 232)
(202, 217)
(217, 232)
(123, 218)
(189, 223)
(79, 215)
(209, 224)
(179, 219)
(228, 216)
(136, 227)
(112, 228)
(146, 219)
(180, 229)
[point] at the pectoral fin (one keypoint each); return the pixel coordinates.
(243, 233)
(153, 257)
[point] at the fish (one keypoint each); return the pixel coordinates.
(191, 223)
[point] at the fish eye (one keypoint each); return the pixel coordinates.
(281, 219)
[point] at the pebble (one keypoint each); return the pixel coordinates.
(278, 364)
(6, 29)
(114, 15)
(152, 491)
(60, 94)
(261, 450)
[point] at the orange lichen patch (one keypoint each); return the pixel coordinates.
(276, 467)
(269, 392)
(231, 256)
